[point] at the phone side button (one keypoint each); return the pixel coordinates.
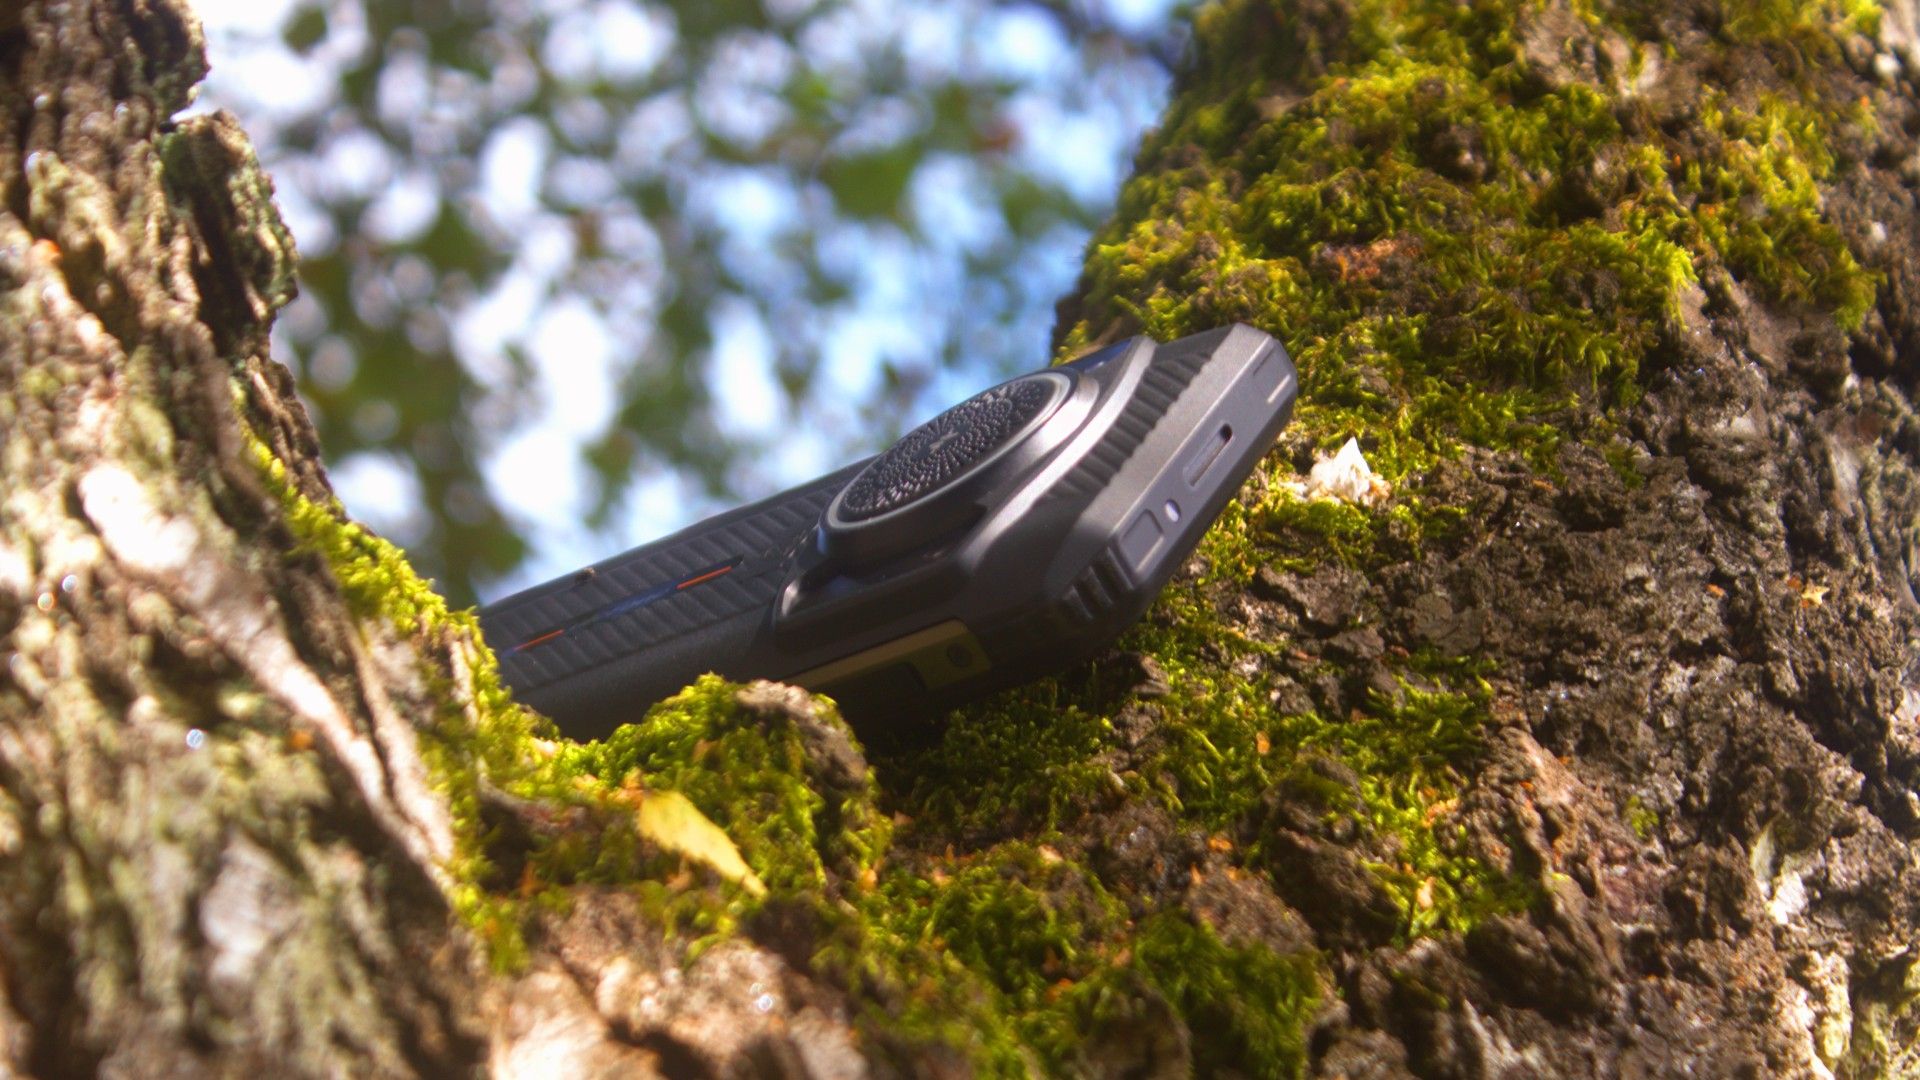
(1206, 454)
(1138, 542)
(1272, 377)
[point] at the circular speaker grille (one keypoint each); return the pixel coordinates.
(949, 445)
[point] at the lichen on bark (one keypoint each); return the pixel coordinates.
(212, 829)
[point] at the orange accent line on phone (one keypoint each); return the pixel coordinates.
(548, 636)
(708, 576)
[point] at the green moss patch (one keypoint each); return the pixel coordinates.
(1024, 767)
(565, 813)
(1463, 245)
(1020, 956)
(1227, 747)
(1456, 249)
(752, 773)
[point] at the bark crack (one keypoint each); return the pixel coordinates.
(169, 552)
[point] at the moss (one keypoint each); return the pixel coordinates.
(747, 770)
(1247, 1007)
(1884, 1037)
(750, 773)
(372, 573)
(1759, 204)
(1017, 955)
(1020, 919)
(1460, 251)
(483, 738)
(1025, 764)
(1624, 461)
(1455, 252)
(1226, 748)
(1807, 25)
(1310, 530)
(1644, 820)
(1419, 229)
(496, 736)
(1034, 761)
(1408, 755)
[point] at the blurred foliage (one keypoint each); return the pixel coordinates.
(623, 185)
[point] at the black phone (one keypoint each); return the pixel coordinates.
(1008, 537)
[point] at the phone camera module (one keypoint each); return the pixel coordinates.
(922, 485)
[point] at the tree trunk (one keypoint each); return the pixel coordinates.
(1584, 743)
(221, 849)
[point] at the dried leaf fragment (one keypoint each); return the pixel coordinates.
(670, 820)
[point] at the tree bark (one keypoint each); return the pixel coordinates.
(221, 853)
(1589, 748)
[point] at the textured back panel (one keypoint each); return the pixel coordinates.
(714, 571)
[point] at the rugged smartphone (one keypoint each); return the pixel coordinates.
(1011, 535)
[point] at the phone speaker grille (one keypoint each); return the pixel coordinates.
(941, 450)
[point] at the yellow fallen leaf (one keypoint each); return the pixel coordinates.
(670, 820)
